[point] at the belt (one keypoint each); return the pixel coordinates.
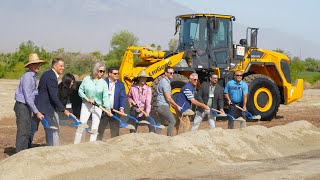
(20, 102)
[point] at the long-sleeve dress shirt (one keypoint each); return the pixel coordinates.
(27, 90)
(95, 89)
(141, 96)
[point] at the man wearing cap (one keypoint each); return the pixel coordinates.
(48, 101)
(25, 105)
(140, 97)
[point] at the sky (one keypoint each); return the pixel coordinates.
(88, 25)
(294, 17)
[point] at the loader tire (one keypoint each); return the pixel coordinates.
(263, 96)
(176, 84)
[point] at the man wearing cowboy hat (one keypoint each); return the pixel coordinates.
(140, 97)
(25, 105)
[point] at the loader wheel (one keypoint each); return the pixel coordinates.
(263, 96)
(176, 84)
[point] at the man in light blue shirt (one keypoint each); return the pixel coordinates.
(25, 105)
(236, 92)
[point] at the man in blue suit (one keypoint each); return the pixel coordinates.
(48, 102)
(117, 97)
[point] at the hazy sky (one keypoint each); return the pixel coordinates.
(88, 25)
(294, 17)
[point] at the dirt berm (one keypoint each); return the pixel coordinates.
(144, 155)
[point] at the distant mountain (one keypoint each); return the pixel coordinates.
(88, 25)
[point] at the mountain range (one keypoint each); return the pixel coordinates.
(88, 25)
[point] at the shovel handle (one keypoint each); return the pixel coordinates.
(239, 107)
(216, 110)
(103, 109)
(119, 112)
(143, 111)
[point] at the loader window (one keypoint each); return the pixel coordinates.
(220, 36)
(194, 33)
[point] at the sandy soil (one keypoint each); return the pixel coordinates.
(256, 152)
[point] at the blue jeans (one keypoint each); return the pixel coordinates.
(235, 112)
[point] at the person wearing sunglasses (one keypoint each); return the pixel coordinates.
(236, 92)
(93, 89)
(164, 100)
(211, 94)
(118, 100)
(185, 99)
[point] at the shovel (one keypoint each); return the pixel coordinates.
(131, 117)
(153, 122)
(78, 123)
(225, 114)
(122, 124)
(253, 117)
(46, 124)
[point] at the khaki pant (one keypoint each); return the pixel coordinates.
(184, 124)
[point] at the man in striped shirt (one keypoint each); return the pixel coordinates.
(185, 99)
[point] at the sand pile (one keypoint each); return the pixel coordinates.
(134, 156)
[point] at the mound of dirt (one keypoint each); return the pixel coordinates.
(147, 155)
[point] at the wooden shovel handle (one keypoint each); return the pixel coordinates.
(216, 110)
(143, 112)
(119, 112)
(239, 107)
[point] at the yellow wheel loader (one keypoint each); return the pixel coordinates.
(206, 45)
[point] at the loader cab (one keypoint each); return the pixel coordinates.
(206, 39)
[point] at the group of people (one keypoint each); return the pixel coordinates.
(101, 95)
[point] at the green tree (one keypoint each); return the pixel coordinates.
(312, 64)
(173, 44)
(296, 66)
(119, 43)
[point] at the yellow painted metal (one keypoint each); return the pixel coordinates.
(154, 64)
(188, 16)
(174, 91)
(269, 101)
(270, 65)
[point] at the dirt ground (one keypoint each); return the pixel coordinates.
(307, 108)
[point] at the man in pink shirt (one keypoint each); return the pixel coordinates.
(140, 96)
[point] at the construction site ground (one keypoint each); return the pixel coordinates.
(303, 163)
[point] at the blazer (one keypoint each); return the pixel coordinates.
(47, 101)
(120, 97)
(203, 96)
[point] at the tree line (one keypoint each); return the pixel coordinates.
(11, 64)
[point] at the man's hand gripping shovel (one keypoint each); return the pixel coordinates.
(131, 117)
(122, 124)
(252, 117)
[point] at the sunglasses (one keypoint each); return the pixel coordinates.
(170, 73)
(115, 73)
(195, 79)
(238, 74)
(102, 71)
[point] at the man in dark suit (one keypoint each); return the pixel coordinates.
(117, 97)
(48, 102)
(211, 94)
